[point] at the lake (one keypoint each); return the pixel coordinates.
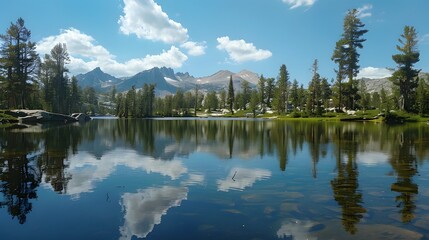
(215, 179)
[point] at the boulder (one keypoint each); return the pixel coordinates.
(40, 116)
(81, 117)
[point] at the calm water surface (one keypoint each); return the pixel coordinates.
(215, 179)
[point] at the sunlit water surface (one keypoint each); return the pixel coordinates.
(215, 179)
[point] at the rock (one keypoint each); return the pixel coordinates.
(81, 117)
(30, 119)
(40, 116)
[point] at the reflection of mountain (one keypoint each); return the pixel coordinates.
(144, 209)
(241, 178)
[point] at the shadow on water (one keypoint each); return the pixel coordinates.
(29, 157)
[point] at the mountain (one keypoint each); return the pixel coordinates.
(376, 84)
(220, 80)
(166, 80)
(97, 79)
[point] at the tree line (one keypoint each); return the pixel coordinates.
(29, 82)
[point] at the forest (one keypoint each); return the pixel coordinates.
(30, 81)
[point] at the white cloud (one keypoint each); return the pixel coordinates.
(144, 209)
(363, 12)
(424, 39)
(240, 51)
(86, 54)
(373, 73)
(195, 48)
(240, 178)
(79, 43)
(145, 19)
(299, 3)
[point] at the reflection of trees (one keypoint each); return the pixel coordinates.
(403, 161)
(19, 181)
(58, 144)
(345, 185)
(280, 140)
(18, 178)
(166, 139)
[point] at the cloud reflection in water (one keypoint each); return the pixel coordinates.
(86, 170)
(240, 178)
(144, 209)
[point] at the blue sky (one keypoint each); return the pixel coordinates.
(124, 37)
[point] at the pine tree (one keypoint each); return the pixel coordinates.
(422, 98)
(230, 97)
(294, 97)
(19, 63)
(282, 90)
(347, 56)
(261, 91)
(246, 92)
(269, 92)
(406, 77)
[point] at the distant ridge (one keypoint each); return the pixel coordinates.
(167, 81)
(97, 79)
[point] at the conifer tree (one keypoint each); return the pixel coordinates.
(406, 77)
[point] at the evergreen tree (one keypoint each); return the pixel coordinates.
(294, 97)
(55, 80)
(301, 97)
(222, 98)
(347, 56)
(179, 101)
(326, 92)
(261, 89)
(211, 101)
(422, 98)
(246, 94)
(365, 96)
(314, 92)
(375, 100)
(339, 57)
(385, 101)
(90, 101)
(230, 98)
(282, 90)
(406, 77)
(196, 100)
(75, 96)
(269, 91)
(254, 100)
(19, 63)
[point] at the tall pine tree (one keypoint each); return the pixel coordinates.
(347, 57)
(230, 96)
(406, 77)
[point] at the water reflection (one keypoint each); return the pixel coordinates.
(241, 178)
(88, 170)
(72, 159)
(404, 162)
(295, 229)
(144, 209)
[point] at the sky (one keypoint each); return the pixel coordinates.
(124, 37)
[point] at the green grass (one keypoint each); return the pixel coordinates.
(6, 120)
